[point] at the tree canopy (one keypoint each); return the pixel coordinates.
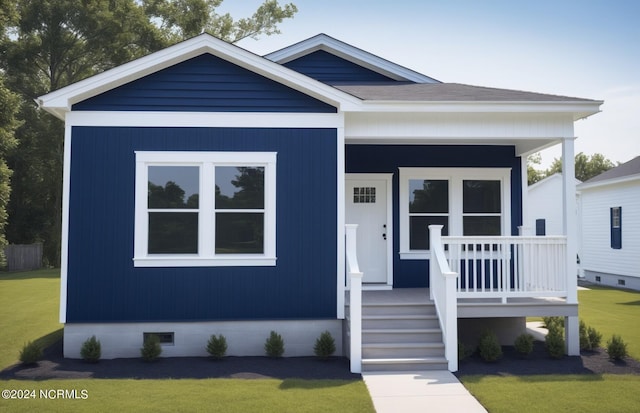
(586, 167)
(48, 44)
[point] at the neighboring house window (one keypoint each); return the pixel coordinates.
(205, 209)
(616, 228)
(466, 201)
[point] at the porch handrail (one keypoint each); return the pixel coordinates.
(443, 293)
(355, 299)
(508, 266)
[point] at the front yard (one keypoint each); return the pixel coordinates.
(29, 311)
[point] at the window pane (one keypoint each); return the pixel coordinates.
(481, 226)
(419, 230)
(174, 186)
(428, 196)
(173, 233)
(239, 187)
(239, 233)
(481, 196)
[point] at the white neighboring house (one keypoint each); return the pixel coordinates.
(544, 210)
(610, 221)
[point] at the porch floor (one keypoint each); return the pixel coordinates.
(477, 307)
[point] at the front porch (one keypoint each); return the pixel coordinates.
(470, 278)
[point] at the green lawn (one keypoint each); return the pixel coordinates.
(29, 311)
(609, 311)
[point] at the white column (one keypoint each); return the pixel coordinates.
(572, 337)
(525, 193)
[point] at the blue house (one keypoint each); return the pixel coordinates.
(207, 191)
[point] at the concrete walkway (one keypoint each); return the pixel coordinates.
(422, 391)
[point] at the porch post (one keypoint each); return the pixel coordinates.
(570, 231)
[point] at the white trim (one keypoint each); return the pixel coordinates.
(613, 181)
(206, 161)
(388, 179)
(205, 119)
(64, 240)
(60, 101)
(455, 176)
(349, 53)
(341, 246)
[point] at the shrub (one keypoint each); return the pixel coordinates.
(524, 344)
(91, 350)
(489, 347)
(553, 323)
(617, 348)
(595, 337)
(151, 348)
(31, 353)
(463, 353)
(274, 345)
(325, 346)
(554, 342)
(585, 342)
(217, 346)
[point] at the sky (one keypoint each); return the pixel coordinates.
(579, 48)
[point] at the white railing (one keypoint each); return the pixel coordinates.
(508, 267)
(355, 299)
(443, 293)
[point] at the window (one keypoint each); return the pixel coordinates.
(465, 201)
(616, 228)
(205, 208)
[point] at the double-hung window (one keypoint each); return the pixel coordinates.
(465, 201)
(205, 209)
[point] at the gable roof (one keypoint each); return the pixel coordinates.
(628, 171)
(60, 101)
(549, 179)
(349, 53)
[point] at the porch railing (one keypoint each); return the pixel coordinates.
(355, 299)
(508, 267)
(443, 294)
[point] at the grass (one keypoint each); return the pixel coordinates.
(609, 311)
(29, 311)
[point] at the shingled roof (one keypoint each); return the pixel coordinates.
(627, 169)
(447, 92)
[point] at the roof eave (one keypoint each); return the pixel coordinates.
(60, 101)
(604, 182)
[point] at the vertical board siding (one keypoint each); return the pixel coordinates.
(388, 158)
(596, 253)
(205, 84)
(103, 284)
(328, 68)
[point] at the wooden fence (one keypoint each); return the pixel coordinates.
(23, 257)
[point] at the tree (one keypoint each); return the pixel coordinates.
(534, 175)
(586, 166)
(54, 43)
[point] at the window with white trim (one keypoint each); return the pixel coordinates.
(205, 209)
(465, 201)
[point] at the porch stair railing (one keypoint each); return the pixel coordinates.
(355, 296)
(443, 293)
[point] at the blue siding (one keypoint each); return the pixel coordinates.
(328, 68)
(103, 285)
(388, 158)
(205, 84)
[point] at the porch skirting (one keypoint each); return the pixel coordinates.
(244, 338)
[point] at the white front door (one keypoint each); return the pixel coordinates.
(369, 206)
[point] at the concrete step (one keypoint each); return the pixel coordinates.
(398, 321)
(402, 350)
(404, 335)
(404, 364)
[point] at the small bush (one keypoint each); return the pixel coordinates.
(524, 344)
(489, 347)
(463, 353)
(585, 342)
(595, 337)
(554, 342)
(553, 323)
(217, 346)
(91, 350)
(151, 348)
(31, 353)
(616, 348)
(274, 345)
(325, 346)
